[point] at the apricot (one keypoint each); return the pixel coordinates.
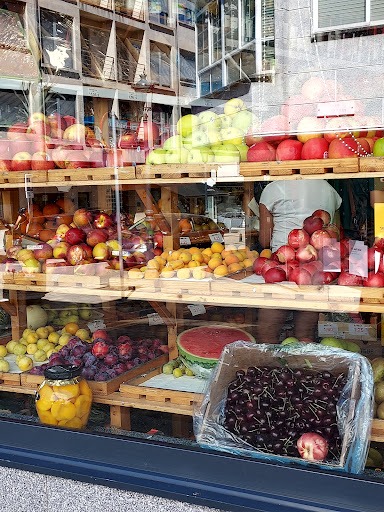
(216, 247)
(194, 250)
(221, 270)
(75, 423)
(266, 253)
(216, 255)
(67, 392)
(213, 263)
(83, 405)
(193, 264)
(186, 257)
(198, 257)
(175, 265)
(248, 262)
(207, 252)
(85, 389)
(161, 261)
(234, 267)
(151, 273)
(47, 417)
(175, 255)
(71, 327)
(239, 255)
(63, 410)
(230, 259)
(153, 264)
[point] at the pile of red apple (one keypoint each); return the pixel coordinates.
(314, 255)
(104, 359)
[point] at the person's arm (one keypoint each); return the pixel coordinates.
(266, 226)
(376, 196)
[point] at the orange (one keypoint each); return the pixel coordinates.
(34, 228)
(46, 234)
(71, 327)
(64, 219)
(185, 225)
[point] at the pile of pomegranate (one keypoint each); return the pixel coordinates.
(318, 254)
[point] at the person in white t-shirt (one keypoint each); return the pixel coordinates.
(283, 206)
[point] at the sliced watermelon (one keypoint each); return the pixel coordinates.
(202, 346)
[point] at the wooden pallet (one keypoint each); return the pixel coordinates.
(23, 177)
(10, 379)
(101, 388)
(290, 167)
(168, 171)
(7, 277)
(100, 174)
(372, 164)
(72, 280)
(132, 389)
(377, 431)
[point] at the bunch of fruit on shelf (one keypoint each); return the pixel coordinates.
(286, 411)
(378, 377)
(318, 254)
(177, 368)
(37, 346)
(196, 263)
(237, 135)
(74, 313)
(103, 358)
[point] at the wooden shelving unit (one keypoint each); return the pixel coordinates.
(168, 296)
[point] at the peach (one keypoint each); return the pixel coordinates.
(234, 267)
(198, 257)
(230, 259)
(214, 263)
(220, 271)
(193, 264)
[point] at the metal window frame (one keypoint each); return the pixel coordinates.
(184, 473)
(364, 24)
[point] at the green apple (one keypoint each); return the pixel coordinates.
(177, 156)
(226, 153)
(232, 136)
(332, 342)
(207, 155)
(176, 141)
(289, 340)
(214, 138)
(156, 157)
(199, 138)
(186, 124)
(233, 106)
(187, 142)
(378, 148)
(243, 120)
(4, 366)
(31, 266)
(209, 118)
(243, 150)
(194, 156)
(225, 120)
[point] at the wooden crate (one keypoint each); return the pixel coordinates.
(372, 164)
(132, 389)
(169, 171)
(7, 277)
(186, 286)
(72, 280)
(125, 283)
(10, 379)
(20, 177)
(100, 174)
(290, 167)
(377, 431)
(101, 388)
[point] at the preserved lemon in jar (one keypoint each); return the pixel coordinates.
(64, 398)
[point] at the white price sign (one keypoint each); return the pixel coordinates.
(185, 240)
(196, 309)
(33, 247)
(328, 329)
(154, 319)
(358, 258)
(95, 325)
(358, 329)
(216, 237)
(93, 92)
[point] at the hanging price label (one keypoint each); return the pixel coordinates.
(358, 329)
(33, 247)
(95, 325)
(154, 319)
(328, 329)
(185, 240)
(216, 237)
(196, 309)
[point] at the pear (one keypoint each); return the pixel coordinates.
(378, 369)
(379, 393)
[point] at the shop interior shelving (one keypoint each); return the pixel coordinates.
(167, 297)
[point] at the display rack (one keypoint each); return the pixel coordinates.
(166, 297)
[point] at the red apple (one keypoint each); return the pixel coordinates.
(333, 231)
(147, 133)
(347, 279)
(261, 152)
(374, 280)
(41, 161)
(363, 146)
(74, 236)
(320, 238)
(321, 277)
(312, 224)
(75, 254)
(127, 141)
(285, 253)
(345, 148)
(17, 131)
(69, 120)
(82, 217)
(56, 121)
(323, 215)
(275, 129)
(300, 276)
(289, 150)
(315, 149)
(257, 265)
(337, 128)
(312, 446)
(43, 252)
(102, 221)
(38, 128)
(297, 238)
(275, 275)
(306, 253)
(96, 236)
(87, 251)
(21, 162)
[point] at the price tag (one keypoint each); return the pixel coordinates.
(33, 247)
(95, 325)
(358, 258)
(216, 237)
(185, 240)
(196, 309)
(358, 329)
(154, 319)
(92, 91)
(328, 329)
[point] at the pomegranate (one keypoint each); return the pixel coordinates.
(267, 266)
(257, 265)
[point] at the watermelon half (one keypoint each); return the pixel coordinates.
(200, 347)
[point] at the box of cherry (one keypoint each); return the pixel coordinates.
(305, 403)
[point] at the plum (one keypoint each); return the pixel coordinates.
(111, 359)
(88, 373)
(120, 368)
(101, 376)
(111, 373)
(79, 351)
(89, 359)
